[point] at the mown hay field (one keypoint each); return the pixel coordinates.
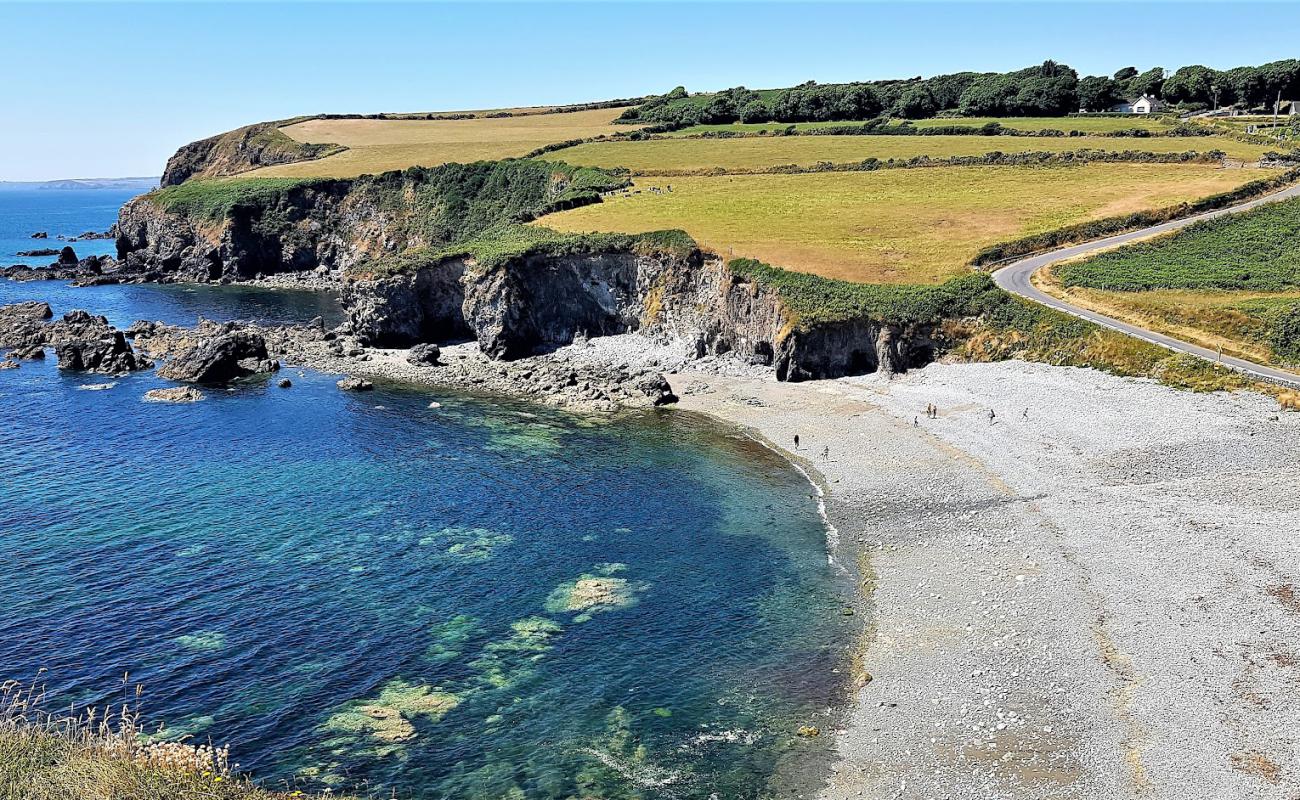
(892, 226)
(757, 153)
(379, 145)
(1082, 124)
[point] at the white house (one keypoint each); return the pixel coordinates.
(1142, 105)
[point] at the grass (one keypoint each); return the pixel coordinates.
(756, 153)
(507, 242)
(1255, 250)
(1083, 124)
(379, 145)
(109, 756)
(897, 226)
(212, 199)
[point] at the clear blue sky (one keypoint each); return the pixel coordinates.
(105, 90)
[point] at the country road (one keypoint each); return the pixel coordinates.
(1015, 278)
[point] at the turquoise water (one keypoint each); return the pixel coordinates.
(480, 600)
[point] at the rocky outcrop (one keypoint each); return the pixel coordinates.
(109, 354)
(219, 358)
(538, 303)
(241, 229)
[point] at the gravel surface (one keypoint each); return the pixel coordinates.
(1094, 594)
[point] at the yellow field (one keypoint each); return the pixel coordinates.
(756, 153)
(892, 226)
(378, 145)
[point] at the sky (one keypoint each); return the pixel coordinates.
(111, 90)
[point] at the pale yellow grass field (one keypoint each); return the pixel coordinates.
(757, 153)
(892, 226)
(376, 145)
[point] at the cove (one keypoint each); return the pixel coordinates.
(483, 599)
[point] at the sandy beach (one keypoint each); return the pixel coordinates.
(1093, 594)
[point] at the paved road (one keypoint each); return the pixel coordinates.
(1014, 278)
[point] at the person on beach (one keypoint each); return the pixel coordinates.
(826, 452)
(992, 416)
(796, 441)
(1025, 414)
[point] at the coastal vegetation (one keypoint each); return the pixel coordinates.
(380, 145)
(109, 754)
(1232, 282)
(892, 226)
(1086, 125)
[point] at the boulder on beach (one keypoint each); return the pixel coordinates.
(175, 394)
(424, 355)
(355, 384)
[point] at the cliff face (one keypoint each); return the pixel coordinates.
(539, 302)
(240, 150)
(209, 230)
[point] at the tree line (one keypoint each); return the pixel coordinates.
(1048, 89)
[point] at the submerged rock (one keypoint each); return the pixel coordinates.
(284, 383)
(176, 394)
(7, 364)
(355, 384)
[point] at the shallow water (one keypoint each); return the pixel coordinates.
(486, 599)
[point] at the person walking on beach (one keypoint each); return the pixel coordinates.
(992, 416)
(826, 452)
(796, 441)
(1025, 414)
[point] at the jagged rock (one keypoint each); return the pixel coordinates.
(40, 235)
(284, 383)
(40, 252)
(176, 394)
(8, 364)
(33, 352)
(355, 384)
(425, 354)
(219, 358)
(67, 257)
(110, 355)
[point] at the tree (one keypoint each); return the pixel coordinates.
(916, 102)
(1147, 83)
(1097, 93)
(755, 111)
(1191, 84)
(1125, 74)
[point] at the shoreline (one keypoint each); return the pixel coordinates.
(1007, 656)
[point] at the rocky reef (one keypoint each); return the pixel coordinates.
(83, 342)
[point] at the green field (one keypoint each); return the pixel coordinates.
(380, 145)
(1256, 250)
(892, 226)
(1082, 124)
(760, 152)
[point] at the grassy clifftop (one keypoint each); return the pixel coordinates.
(240, 150)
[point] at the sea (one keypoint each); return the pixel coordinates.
(409, 592)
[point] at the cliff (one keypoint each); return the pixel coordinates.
(205, 230)
(537, 301)
(240, 150)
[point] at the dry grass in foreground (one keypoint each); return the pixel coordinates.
(106, 756)
(1233, 321)
(892, 226)
(379, 145)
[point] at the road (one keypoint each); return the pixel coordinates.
(1015, 278)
